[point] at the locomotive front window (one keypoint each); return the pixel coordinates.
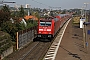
(45, 23)
(48, 23)
(42, 23)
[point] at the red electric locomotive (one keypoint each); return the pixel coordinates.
(47, 28)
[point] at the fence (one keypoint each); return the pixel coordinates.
(25, 36)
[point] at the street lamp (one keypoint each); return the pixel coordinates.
(85, 11)
(82, 11)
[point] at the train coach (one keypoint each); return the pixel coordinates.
(47, 28)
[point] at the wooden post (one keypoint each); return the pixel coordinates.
(17, 40)
(84, 36)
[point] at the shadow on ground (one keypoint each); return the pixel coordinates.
(72, 54)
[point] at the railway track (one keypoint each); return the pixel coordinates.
(36, 52)
(27, 53)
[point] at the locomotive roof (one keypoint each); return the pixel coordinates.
(44, 20)
(47, 19)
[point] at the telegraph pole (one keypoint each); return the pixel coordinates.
(86, 42)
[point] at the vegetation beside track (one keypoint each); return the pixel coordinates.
(76, 19)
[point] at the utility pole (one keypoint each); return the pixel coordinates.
(86, 42)
(82, 20)
(84, 27)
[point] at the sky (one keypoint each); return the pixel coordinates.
(57, 4)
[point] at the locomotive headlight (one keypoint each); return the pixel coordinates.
(49, 35)
(39, 35)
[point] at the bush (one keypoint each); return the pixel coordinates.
(10, 28)
(5, 41)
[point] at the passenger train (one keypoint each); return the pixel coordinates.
(47, 28)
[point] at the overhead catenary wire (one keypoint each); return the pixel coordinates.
(46, 4)
(41, 3)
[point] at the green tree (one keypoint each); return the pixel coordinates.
(31, 23)
(5, 41)
(6, 8)
(36, 14)
(10, 28)
(15, 14)
(4, 14)
(21, 12)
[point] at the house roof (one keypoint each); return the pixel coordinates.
(31, 17)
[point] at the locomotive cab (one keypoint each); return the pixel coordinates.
(44, 29)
